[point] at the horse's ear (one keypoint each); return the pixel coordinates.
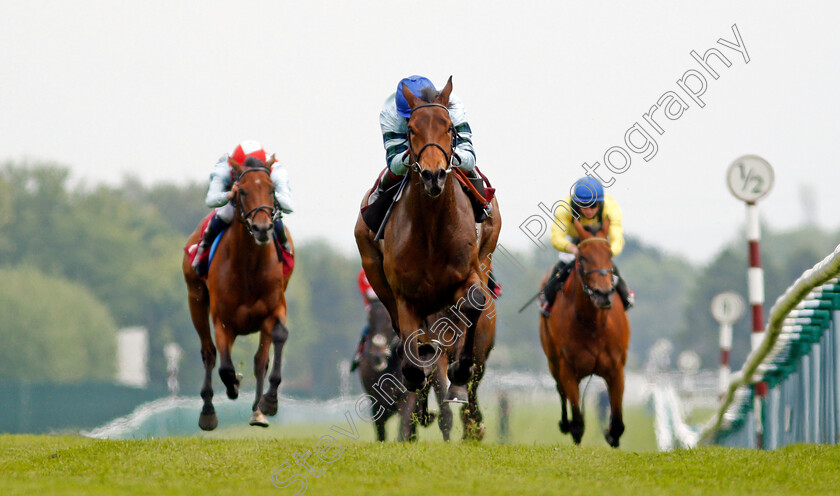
(236, 166)
(582, 233)
(409, 97)
(270, 160)
(443, 97)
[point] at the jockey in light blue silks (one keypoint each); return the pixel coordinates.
(393, 120)
(219, 194)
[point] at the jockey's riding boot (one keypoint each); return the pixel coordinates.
(482, 210)
(360, 349)
(282, 239)
(545, 306)
(628, 297)
(380, 199)
(493, 285)
(215, 226)
(553, 286)
(386, 181)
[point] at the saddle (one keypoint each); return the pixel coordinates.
(286, 257)
(480, 197)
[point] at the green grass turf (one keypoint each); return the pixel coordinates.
(530, 423)
(181, 466)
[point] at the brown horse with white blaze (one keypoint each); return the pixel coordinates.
(429, 259)
(244, 293)
(587, 332)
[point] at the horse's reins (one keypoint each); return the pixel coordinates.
(583, 272)
(247, 215)
(415, 166)
(450, 156)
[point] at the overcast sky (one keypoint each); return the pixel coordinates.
(158, 90)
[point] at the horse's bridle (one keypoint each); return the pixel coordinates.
(582, 273)
(246, 216)
(450, 157)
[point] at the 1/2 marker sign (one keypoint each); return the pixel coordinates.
(750, 178)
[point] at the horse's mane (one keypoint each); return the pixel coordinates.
(429, 94)
(593, 230)
(252, 162)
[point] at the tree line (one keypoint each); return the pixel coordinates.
(79, 262)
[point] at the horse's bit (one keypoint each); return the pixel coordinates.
(583, 273)
(265, 208)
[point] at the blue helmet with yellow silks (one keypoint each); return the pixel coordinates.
(587, 192)
(415, 84)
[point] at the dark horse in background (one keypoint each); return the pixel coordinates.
(587, 332)
(244, 293)
(380, 374)
(431, 256)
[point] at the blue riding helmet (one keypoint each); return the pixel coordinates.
(415, 84)
(587, 191)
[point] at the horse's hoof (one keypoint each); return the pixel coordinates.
(258, 419)
(564, 426)
(208, 422)
(456, 394)
(233, 392)
(426, 420)
(612, 441)
(268, 406)
(459, 374)
(475, 431)
(413, 379)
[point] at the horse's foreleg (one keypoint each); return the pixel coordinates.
(380, 428)
(421, 412)
(198, 302)
(413, 364)
(564, 418)
(616, 389)
(408, 429)
(445, 414)
(473, 419)
(268, 403)
(260, 369)
(208, 420)
(470, 306)
(224, 342)
(570, 387)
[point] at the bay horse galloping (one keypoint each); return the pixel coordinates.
(244, 293)
(587, 332)
(430, 257)
(379, 371)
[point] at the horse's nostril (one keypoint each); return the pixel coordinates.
(441, 175)
(426, 175)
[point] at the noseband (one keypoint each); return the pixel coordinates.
(583, 273)
(450, 156)
(246, 216)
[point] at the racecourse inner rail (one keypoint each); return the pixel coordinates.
(797, 358)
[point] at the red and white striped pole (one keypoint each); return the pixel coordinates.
(727, 308)
(725, 346)
(755, 287)
(750, 178)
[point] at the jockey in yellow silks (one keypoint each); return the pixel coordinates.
(591, 207)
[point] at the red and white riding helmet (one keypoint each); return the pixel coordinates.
(250, 148)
